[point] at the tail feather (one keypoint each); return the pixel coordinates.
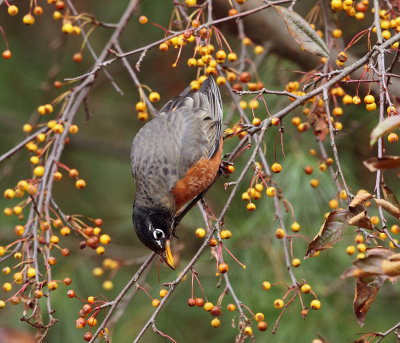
(212, 100)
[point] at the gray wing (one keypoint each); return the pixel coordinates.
(187, 129)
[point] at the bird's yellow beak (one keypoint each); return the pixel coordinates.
(168, 255)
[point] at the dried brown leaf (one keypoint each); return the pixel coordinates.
(302, 32)
(318, 123)
(384, 127)
(365, 293)
(362, 220)
(387, 162)
(360, 197)
(388, 207)
(391, 268)
(390, 196)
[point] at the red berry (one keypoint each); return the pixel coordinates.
(191, 302)
(199, 302)
(77, 57)
(216, 311)
(6, 54)
(87, 308)
(71, 293)
(308, 170)
(245, 77)
(87, 336)
(262, 326)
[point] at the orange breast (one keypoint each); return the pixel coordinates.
(197, 179)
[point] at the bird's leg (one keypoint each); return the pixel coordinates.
(223, 168)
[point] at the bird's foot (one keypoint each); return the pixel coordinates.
(226, 168)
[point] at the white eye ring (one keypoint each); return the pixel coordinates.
(158, 234)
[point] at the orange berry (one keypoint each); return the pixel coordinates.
(6, 54)
(80, 184)
(393, 137)
(231, 307)
(155, 302)
(223, 268)
(142, 19)
(279, 233)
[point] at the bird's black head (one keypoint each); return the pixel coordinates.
(154, 229)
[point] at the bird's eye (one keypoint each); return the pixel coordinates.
(158, 234)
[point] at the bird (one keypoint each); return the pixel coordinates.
(175, 157)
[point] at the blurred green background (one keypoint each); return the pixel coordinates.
(100, 152)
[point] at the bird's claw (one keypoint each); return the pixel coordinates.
(223, 168)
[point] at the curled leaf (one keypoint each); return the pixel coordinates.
(390, 196)
(391, 268)
(360, 197)
(302, 32)
(362, 220)
(384, 127)
(387, 162)
(388, 207)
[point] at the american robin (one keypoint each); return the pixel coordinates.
(174, 158)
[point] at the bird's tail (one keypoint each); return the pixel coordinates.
(207, 97)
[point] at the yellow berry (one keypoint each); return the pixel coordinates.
(271, 191)
(315, 304)
(393, 137)
(7, 287)
(200, 232)
(334, 204)
(361, 247)
(251, 206)
(163, 293)
(351, 249)
(31, 272)
(248, 331)
(12, 10)
(258, 49)
(395, 229)
(215, 322)
(155, 302)
(38, 171)
(97, 272)
(154, 97)
(108, 285)
(9, 193)
(28, 19)
(369, 99)
(337, 33)
(306, 288)
(276, 168)
(296, 262)
(371, 107)
(374, 220)
(295, 227)
(208, 306)
(278, 303)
